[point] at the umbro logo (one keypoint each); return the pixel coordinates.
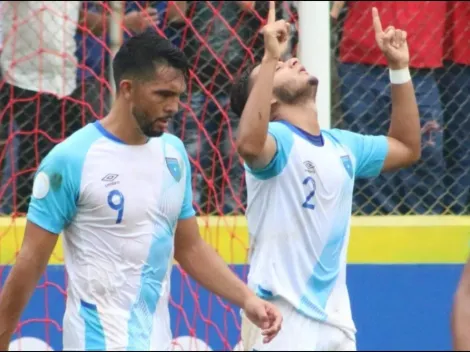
(309, 167)
(110, 179)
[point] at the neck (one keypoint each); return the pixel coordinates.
(303, 116)
(120, 123)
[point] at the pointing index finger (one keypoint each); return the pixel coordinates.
(376, 20)
(272, 12)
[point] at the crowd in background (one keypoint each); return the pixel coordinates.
(55, 78)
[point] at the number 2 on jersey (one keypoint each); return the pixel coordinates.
(309, 182)
(116, 202)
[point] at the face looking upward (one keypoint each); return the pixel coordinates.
(154, 101)
(292, 83)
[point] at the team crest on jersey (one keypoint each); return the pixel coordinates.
(347, 163)
(174, 168)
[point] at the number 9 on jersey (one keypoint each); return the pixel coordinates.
(116, 202)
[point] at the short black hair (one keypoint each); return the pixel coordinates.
(241, 90)
(140, 54)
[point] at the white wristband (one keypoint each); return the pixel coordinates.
(400, 76)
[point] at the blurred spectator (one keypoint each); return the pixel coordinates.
(93, 58)
(454, 85)
(37, 58)
(1, 29)
(220, 38)
(168, 17)
(93, 52)
(338, 11)
(44, 102)
(366, 100)
(291, 15)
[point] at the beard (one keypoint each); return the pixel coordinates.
(295, 96)
(146, 123)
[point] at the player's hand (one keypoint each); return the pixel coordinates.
(138, 21)
(264, 315)
(392, 42)
(276, 34)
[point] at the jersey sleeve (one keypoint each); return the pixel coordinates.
(369, 151)
(187, 209)
(284, 142)
(55, 191)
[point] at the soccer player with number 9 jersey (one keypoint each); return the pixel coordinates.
(120, 191)
(300, 182)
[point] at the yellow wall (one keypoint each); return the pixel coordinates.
(377, 240)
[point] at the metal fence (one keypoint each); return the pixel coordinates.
(55, 69)
(439, 41)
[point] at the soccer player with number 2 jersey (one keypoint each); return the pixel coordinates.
(120, 191)
(300, 181)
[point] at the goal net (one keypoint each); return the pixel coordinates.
(56, 78)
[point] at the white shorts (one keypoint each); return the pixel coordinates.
(298, 333)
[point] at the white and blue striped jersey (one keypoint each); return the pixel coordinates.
(117, 206)
(299, 214)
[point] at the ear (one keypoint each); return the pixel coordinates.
(273, 101)
(125, 88)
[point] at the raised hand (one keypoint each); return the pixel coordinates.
(276, 34)
(392, 42)
(138, 21)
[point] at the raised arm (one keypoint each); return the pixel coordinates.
(254, 144)
(246, 5)
(404, 136)
(177, 11)
(336, 9)
(136, 21)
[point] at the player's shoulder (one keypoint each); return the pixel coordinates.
(351, 138)
(334, 132)
(173, 142)
(172, 139)
(282, 133)
(75, 147)
(341, 136)
(65, 161)
(280, 127)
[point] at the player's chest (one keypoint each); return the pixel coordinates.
(136, 191)
(327, 171)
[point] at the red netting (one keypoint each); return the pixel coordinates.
(50, 88)
(56, 78)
